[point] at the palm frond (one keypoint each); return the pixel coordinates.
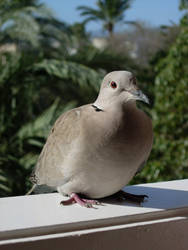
(40, 127)
(23, 28)
(77, 73)
(19, 23)
(37, 127)
(90, 12)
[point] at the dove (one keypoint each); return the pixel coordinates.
(93, 151)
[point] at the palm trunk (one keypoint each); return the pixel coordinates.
(110, 28)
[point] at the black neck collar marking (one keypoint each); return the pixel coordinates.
(96, 108)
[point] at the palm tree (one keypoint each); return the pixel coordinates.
(18, 22)
(109, 12)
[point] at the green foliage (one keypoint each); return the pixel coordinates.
(169, 158)
(183, 5)
(18, 22)
(78, 74)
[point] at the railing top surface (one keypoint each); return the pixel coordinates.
(43, 211)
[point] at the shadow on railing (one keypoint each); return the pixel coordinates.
(159, 198)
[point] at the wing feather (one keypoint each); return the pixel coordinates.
(58, 146)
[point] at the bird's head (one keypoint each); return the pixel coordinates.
(119, 87)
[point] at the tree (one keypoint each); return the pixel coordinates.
(109, 12)
(169, 158)
(18, 21)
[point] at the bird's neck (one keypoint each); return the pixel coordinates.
(105, 104)
(113, 104)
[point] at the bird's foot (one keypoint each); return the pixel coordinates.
(121, 195)
(74, 198)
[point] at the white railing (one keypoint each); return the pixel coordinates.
(40, 222)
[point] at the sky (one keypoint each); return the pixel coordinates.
(153, 12)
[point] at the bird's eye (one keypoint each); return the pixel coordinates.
(113, 84)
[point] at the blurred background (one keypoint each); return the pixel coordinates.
(53, 55)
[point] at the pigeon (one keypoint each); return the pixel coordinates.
(94, 150)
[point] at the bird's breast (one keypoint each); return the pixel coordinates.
(118, 137)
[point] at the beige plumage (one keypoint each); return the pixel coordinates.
(96, 150)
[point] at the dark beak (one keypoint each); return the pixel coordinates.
(139, 95)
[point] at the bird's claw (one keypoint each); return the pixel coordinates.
(88, 205)
(83, 202)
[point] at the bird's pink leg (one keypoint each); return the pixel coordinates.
(74, 198)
